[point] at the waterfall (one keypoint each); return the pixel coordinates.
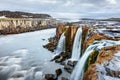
(77, 45)
(61, 44)
(77, 73)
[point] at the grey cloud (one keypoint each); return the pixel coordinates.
(85, 8)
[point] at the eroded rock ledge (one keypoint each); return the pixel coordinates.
(98, 58)
(20, 25)
(106, 64)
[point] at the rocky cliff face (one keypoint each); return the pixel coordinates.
(70, 31)
(70, 35)
(107, 59)
(102, 62)
(99, 65)
(18, 25)
(94, 34)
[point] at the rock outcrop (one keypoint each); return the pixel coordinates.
(94, 34)
(104, 64)
(70, 35)
(51, 46)
(19, 25)
(70, 31)
(99, 57)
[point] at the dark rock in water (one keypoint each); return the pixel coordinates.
(59, 60)
(112, 73)
(43, 39)
(64, 78)
(68, 68)
(56, 57)
(50, 46)
(72, 63)
(58, 72)
(50, 77)
(63, 63)
(61, 57)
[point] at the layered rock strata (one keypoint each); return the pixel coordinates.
(98, 65)
(106, 65)
(18, 25)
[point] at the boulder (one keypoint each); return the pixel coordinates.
(58, 72)
(50, 46)
(71, 63)
(50, 77)
(68, 68)
(63, 78)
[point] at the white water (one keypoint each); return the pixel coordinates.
(61, 44)
(77, 73)
(22, 56)
(77, 45)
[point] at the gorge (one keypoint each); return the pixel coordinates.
(88, 43)
(62, 51)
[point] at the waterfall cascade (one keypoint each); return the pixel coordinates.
(61, 44)
(77, 73)
(77, 45)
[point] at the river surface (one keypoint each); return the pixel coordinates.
(22, 56)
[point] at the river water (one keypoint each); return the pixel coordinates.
(22, 56)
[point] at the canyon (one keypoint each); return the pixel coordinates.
(99, 47)
(84, 50)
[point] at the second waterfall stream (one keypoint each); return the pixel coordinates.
(77, 45)
(61, 44)
(77, 73)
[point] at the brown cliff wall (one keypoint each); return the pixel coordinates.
(105, 54)
(70, 31)
(96, 35)
(18, 25)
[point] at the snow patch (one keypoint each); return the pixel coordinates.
(2, 17)
(113, 64)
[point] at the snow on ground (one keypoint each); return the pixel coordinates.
(113, 64)
(2, 17)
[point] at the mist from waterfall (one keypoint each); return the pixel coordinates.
(61, 44)
(77, 45)
(77, 73)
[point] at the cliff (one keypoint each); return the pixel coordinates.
(106, 65)
(102, 62)
(98, 34)
(19, 25)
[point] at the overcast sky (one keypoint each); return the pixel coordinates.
(66, 8)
